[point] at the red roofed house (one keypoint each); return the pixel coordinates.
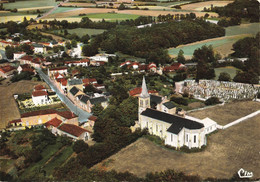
(18, 55)
(53, 124)
(42, 116)
(152, 67)
(87, 81)
(137, 91)
(74, 132)
(174, 67)
(6, 71)
(62, 84)
(25, 67)
(39, 88)
(26, 59)
(40, 97)
(61, 70)
(82, 62)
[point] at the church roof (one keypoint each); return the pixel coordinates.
(169, 105)
(178, 123)
(144, 92)
(155, 99)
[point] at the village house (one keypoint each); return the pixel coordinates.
(61, 70)
(40, 98)
(103, 101)
(176, 131)
(174, 67)
(40, 117)
(7, 71)
(39, 48)
(25, 68)
(75, 83)
(73, 93)
(18, 55)
(82, 62)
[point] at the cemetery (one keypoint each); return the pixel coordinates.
(225, 91)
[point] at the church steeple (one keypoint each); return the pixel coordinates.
(144, 93)
(144, 99)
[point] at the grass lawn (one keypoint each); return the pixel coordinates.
(227, 113)
(227, 151)
(229, 69)
(60, 107)
(111, 16)
(30, 4)
(58, 160)
(83, 31)
(63, 9)
(250, 28)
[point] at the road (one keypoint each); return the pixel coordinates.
(3, 56)
(83, 115)
(49, 12)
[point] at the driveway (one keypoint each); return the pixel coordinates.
(83, 115)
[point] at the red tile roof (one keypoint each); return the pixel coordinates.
(67, 114)
(138, 90)
(89, 80)
(6, 69)
(39, 93)
(64, 114)
(15, 121)
(60, 68)
(92, 118)
(53, 122)
(40, 112)
(72, 129)
(63, 81)
(39, 87)
(26, 57)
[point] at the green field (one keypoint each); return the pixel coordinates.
(229, 69)
(252, 29)
(30, 4)
(111, 16)
(83, 31)
(188, 50)
(63, 9)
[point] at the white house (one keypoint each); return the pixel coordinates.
(82, 62)
(176, 131)
(61, 70)
(40, 98)
(18, 55)
(38, 48)
(210, 125)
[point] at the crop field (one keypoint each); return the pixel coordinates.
(111, 16)
(35, 4)
(200, 6)
(83, 31)
(4, 19)
(78, 4)
(129, 12)
(39, 26)
(227, 151)
(229, 69)
(223, 45)
(64, 9)
(9, 110)
(227, 113)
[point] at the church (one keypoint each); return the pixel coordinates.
(176, 131)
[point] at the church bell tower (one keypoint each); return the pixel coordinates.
(143, 99)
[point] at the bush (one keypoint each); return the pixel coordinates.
(212, 101)
(180, 100)
(80, 146)
(192, 150)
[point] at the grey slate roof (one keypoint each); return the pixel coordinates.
(75, 82)
(177, 122)
(169, 105)
(97, 100)
(83, 98)
(155, 99)
(74, 90)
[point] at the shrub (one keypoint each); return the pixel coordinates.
(180, 100)
(80, 146)
(212, 101)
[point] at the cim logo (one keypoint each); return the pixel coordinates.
(244, 174)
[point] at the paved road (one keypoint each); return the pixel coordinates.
(83, 115)
(49, 12)
(3, 56)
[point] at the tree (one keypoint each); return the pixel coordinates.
(181, 58)
(85, 38)
(55, 49)
(97, 109)
(26, 48)
(224, 76)
(68, 45)
(9, 52)
(121, 7)
(89, 50)
(80, 146)
(74, 43)
(212, 101)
